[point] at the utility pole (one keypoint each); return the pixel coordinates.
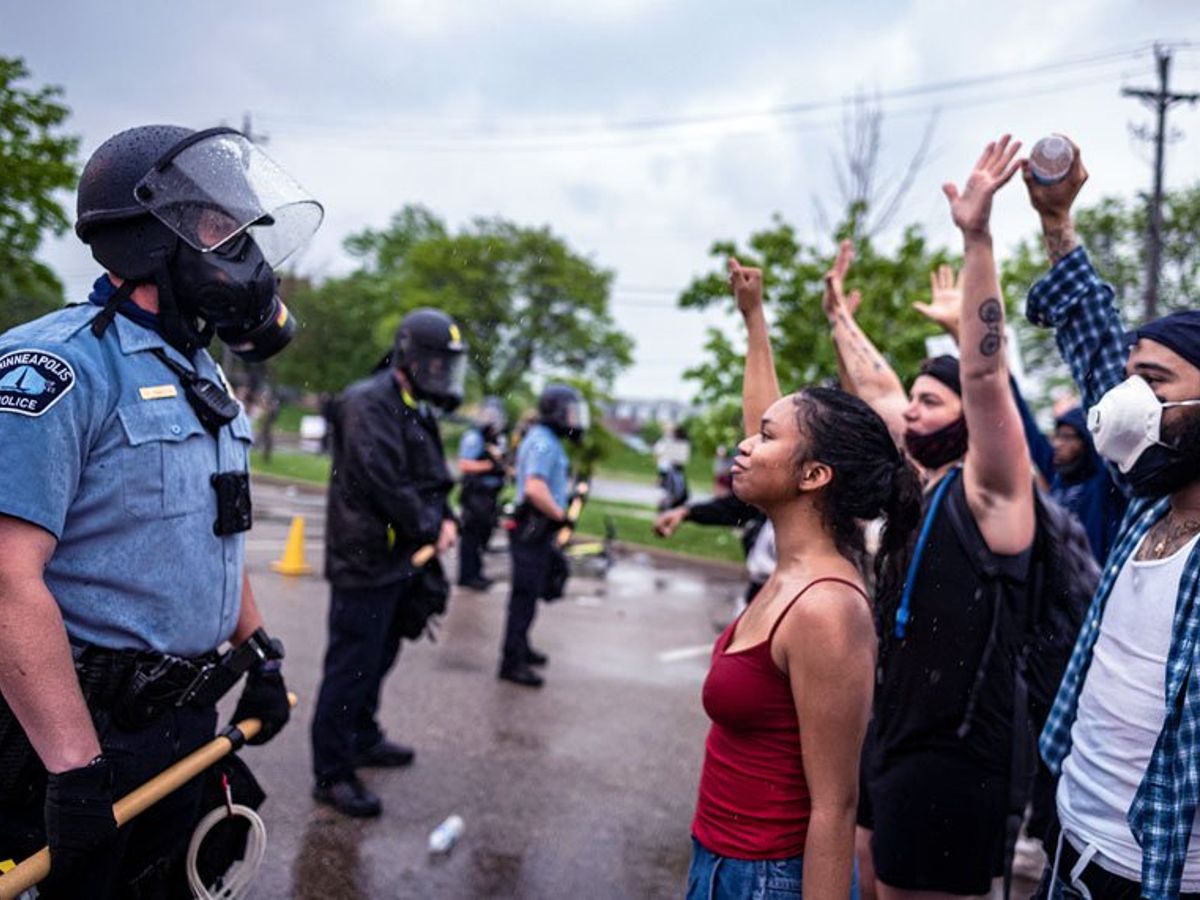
(1159, 101)
(248, 131)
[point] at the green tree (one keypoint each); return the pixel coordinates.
(36, 161)
(524, 299)
(792, 274)
(1113, 230)
(338, 340)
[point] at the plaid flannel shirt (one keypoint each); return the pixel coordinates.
(1079, 306)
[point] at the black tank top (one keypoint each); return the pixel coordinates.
(928, 676)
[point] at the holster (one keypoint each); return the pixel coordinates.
(531, 526)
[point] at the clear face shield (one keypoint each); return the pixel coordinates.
(492, 416)
(441, 377)
(579, 416)
(216, 185)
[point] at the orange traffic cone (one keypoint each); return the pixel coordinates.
(293, 562)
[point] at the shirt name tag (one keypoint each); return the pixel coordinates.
(158, 392)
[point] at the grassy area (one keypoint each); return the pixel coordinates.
(289, 417)
(300, 466)
(635, 523)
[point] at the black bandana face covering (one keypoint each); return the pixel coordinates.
(1162, 470)
(934, 450)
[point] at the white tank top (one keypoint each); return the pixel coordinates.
(1121, 711)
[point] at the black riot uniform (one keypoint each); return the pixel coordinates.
(388, 499)
(480, 491)
(138, 458)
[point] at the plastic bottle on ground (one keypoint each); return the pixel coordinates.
(443, 838)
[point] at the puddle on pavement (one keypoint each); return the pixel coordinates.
(328, 863)
(494, 874)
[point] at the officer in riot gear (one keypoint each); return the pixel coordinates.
(388, 499)
(124, 501)
(543, 486)
(481, 462)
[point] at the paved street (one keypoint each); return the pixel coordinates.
(583, 789)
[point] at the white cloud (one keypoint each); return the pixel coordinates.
(368, 106)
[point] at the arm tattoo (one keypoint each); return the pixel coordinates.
(1060, 240)
(992, 315)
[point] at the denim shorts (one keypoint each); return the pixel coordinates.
(713, 877)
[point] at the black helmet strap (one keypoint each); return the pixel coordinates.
(179, 330)
(105, 317)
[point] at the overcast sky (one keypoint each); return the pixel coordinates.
(639, 130)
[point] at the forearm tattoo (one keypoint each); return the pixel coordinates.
(861, 359)
(992, 316)
(1060, 240)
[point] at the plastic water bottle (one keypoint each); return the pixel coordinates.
(443, 838)
(1051, 159)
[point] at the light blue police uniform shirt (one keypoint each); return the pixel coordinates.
(541, 455)
(471, 445)
(99, 447)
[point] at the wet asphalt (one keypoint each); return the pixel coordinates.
(584, 788)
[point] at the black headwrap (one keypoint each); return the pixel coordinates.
(1179, 331)
(945, 370)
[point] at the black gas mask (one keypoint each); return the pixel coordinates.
(205, 217)
(233, 289)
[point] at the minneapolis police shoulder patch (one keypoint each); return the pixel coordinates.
(32, 381)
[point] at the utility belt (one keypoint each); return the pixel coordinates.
(532, 526)
(130, 688)
(135, 687)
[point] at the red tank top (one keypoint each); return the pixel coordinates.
(754, 801)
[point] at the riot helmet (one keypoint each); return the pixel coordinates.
(563, 410)
(493, 417)
(205, 216)
(430, 352)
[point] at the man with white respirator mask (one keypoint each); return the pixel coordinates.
(1124, 732)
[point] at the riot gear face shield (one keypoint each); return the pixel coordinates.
(493, 418)
(214, 185)
(563, 410)
(239, 215)
(429, 350)
(439, 377)
(205, 219)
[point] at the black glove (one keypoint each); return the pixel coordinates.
(79, 818)
(264, 698)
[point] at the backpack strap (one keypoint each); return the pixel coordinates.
(903, 611)
(1022, 750)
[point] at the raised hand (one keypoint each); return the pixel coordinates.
(747, 286)
(972, 208)
(835, 283)
(945, 302)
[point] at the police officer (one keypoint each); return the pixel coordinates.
(388, 499)
(481, 462)
(124, 498)
(543, 484)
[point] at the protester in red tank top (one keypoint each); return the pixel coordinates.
(789, 690)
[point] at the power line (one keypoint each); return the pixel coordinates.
(483, 130)
(1160, 101)
(477, 145)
